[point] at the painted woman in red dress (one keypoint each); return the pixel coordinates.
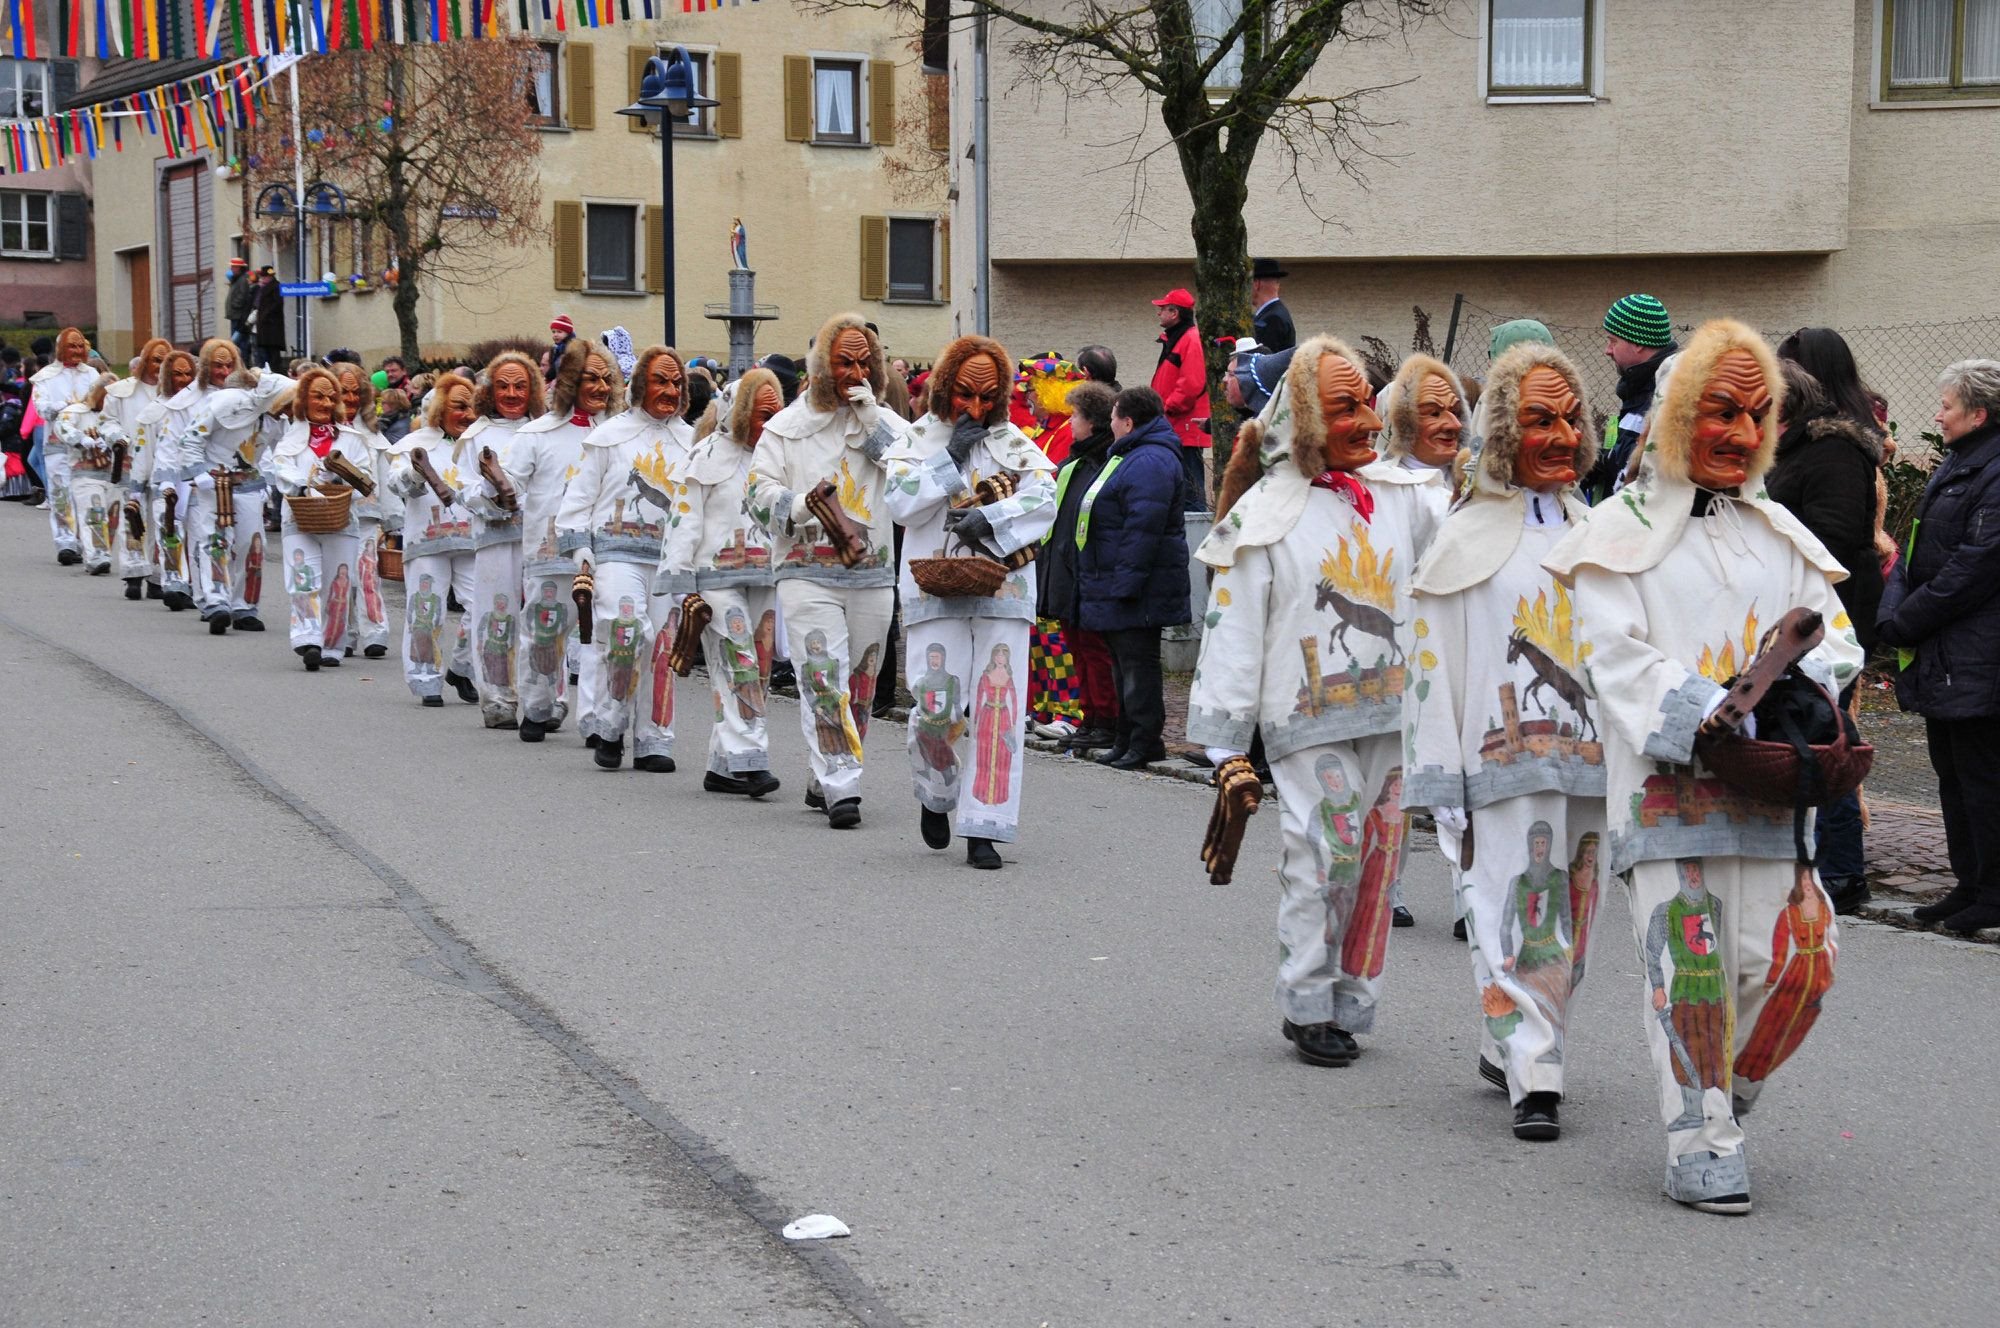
(1582, 901)
(1366, 943)
(1801, 972)
(337, 596)
(993, 708)
(663, 674)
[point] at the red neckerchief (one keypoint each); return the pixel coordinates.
(1357, 493)
(321, 440)
(580, 418)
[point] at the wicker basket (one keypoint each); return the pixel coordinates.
(973, 576)
(389, 558)
(322, 513)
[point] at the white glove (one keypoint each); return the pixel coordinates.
(800, 515)
(1748, 728)
(1450, 818)
(205, 480)
(581, 557)
(862, 398)
(1217, 755)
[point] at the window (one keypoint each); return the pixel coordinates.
(611, 237)
(701, 119)
(26, 230)
(1942, 48)
(542, 84)
(1213, 18)
(936, 42)
(912, 258)
(24, 89)
(837, 101)
(1539, 48)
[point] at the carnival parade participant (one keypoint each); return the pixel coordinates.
(124, 402)
(321, 568)
(718, 551)
(1675, 578)
(167, 563)
(835, 587)
(87, 439)
(225, 529)
(431, 468)
(613, 523)
(1496, 635)
(509, 395)
(368, 614)
(1306, 643)
(174, 468)
(52, 387)
(541, 458)
(979, 642)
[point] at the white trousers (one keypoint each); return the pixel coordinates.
(226, 565)
(138, 550)
(321, 581)
(631, 637)
(969, 760)
(1530, 896)
(544, 645)
(94, 504)
(496, 590)
(62, 509)
(425, 620)
(369, 624)
(739, 644)
(835, 626)
(1738, 953)
(177, 552)
(1342, 831)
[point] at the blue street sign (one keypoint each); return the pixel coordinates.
(313, 288)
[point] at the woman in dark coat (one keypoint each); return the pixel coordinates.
(1058, 594)
(1132, 567)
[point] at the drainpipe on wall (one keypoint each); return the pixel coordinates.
(982, 306)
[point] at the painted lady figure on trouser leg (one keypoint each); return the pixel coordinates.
(365, 613)
(179, 461)
(1305, 643)
(1676, 579)
(936, 473)
(225, 533)
(433, 467)
(317, 564)
(507, 398)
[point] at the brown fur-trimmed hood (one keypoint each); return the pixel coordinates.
(1670, 433)
(819, 362)
(1289, 425)
(1500, 410)
(742, 401)
(482, 396)
(1398, 407)
(569, 373)
(953, 358)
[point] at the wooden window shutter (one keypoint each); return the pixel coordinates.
(798, 99)
(882, 102)
(635, 74)
(939, 103)
(944, 260)
(582, 62)
(728, 91)
(874, 258)
(656, 251)
(569, 246)
(343, 249)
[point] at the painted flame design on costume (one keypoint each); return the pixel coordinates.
(851, 496)
(1360, 577)
(1553, 630)
(1719, 666)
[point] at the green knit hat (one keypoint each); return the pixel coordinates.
(1509, 335)
(1641, 320)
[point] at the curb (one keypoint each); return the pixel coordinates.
(1898, 915)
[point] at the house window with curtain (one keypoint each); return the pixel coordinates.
(24, 89)
(701, 120)
(1938, 49)
(1539, 48)
(25, 226)
(542, 84)
(1212, 19)
(837, 101)
(611, 247)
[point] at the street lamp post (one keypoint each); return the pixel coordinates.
(667, 97)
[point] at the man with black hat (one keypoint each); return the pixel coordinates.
(270, 319)
(241, 303)
(1270, 320)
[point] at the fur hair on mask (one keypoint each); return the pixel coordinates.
(819, 362)
(1299, 392)
(569, 375)
(744, 401)
(1500, 407)
(1670, 435)
(951, 361)
(1399, 404)
(482, 396)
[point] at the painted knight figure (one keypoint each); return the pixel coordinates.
(507, 400)
(431, 470)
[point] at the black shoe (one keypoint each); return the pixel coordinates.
(451, 603)
(1322, 1044)
(101, 571)
(328, 658)
(936, 828)
(347, 653)
(310, 654)
(1729, 1205)
(590, 740)
(177, 600)
(1536, 1119)
(816, 799)
(1493, 1074)
(1458, 930)
(1402, 917)
(153, 590)
(980, 853)
(751, 784)
(1848, 893)
(1090, 740)
(610, 755)
(135, 587)
(434, 702)
(653, 765)
(375, 652)
(572, 680)
(1138, 758)
(1199, 759)
(1967, 921)
(461, 684)
(248, 623)
(218, 624)
(68, 557)
(533, 730)
(845, 814)
(1961, 898)
(1116, 753)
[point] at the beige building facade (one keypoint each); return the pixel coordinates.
(48, 277)
(803, 148)
(1796, 162)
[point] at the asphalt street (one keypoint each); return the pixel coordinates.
(320, 1007)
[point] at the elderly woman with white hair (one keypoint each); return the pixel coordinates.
(1940, 612)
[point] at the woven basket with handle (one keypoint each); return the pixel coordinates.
(971, 576)
(389, 558)
(322, 513)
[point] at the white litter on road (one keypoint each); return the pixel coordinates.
(816, 1226)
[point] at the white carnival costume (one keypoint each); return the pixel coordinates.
(51, 388)
(437, 558)
(496, 576)
(125, 401)
(322, 571)
(541, 459)
(224, 434)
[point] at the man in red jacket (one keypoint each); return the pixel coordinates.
(1182, 382)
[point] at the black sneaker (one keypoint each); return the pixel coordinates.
(533, 730)
(610, 755)
(329, 659)
(1848, 893)
(1536, 1119)
(433, 702)
(461, 684)
(1967, 921)
(1090, 740)
(375, 652)
(249, 622)
(310, 654)
(980, 853)
(936, 827)
(218, 624)
(845, 814)
(1325, 1044)
(1402, 917)
(135, 587)
(153, 590)
(752, 784)
(177, 600)
(1729, 1205)
(653, 765)
(68, 557)
(816, 798)
(1493, 1074)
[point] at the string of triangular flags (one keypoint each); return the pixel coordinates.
(206, 29)
(189, 114)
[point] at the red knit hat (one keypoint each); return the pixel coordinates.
(561, 326)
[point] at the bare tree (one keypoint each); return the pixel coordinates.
(433, 144)
(1220, 86)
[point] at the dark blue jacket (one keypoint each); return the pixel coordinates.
(1943, 600)
(1056, 594)
(1133, 568)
